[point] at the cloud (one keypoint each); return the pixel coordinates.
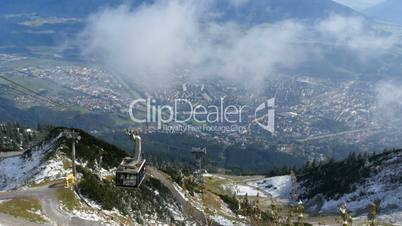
(151, 42)
(145, 43)
(154, 43)
(354, 33)
(262, 50)
(389, 102)
(238, 3)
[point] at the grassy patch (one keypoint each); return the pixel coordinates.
(44, 182)
(215, 185)
(191, 186)
(67, 164)
(27, 208)
(68, 198)
(214, 206)
(211, 201)
(215, 197)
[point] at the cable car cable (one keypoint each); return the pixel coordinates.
(32, 91)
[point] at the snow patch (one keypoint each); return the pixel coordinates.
(52, 169)
(214, 176)
(279, 187)
(180, 191)
(87, 215)
(223, 221)
(383, 186)
(17, 171)
(242, 190)
(394, 218)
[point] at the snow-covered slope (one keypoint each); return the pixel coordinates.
(242, 190)
(383, 185)
(150, 204)
(33, 165)
(278, 187)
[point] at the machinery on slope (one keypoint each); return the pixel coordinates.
(131, 171)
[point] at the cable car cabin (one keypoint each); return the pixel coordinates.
(130, 173)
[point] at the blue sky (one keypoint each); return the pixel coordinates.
(359, 4)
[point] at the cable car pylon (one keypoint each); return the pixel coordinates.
(75, 138)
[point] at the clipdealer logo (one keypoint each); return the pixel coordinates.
(183, 111)
(268, 109)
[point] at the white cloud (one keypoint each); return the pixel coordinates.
(259, 51)
(354, 34)
(148, 42)
(389, 102)
(152, 42)
(238, 3)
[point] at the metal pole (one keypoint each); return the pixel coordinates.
(74, 169)
(74, 136)
(199, 162)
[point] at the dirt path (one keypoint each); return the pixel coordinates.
(188, 209)
(13, 221)
(50, 205)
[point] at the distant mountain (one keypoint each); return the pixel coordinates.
(389, 10)
(45, 22)
(244, 11)
(259, 11)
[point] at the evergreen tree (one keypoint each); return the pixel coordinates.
(372, 213)
(294, 193)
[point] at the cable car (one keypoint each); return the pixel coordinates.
(131, 171)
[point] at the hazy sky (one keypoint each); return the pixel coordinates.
(359, 4)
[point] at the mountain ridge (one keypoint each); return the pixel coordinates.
(256, 11)
(389, 10)
(360, 180)
(49, 162)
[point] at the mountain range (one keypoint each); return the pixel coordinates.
(263, 11)
(389, 10)
(253, 11)
(53, 22)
